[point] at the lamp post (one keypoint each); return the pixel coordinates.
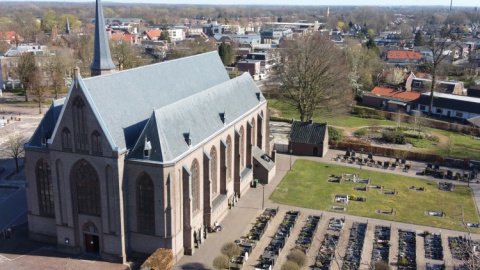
(361, 158)
(291, 151)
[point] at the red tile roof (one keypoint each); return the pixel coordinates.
(153, 34)
(404, 55)
(10, 36)
(400, 94)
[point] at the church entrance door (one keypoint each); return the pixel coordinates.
(91, 243)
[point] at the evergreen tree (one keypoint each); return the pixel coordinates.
(226, 53)
(418, 41)
(372, 45)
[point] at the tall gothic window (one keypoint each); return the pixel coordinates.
(80, 124)
(253, 131)
(229, 157)
(145, 205)
(96, 142)
(87, 189)
(242, 147)
(195, 186)
(45, 189)
(66, 139)
(213, 169)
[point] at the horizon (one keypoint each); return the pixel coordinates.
(353, 3)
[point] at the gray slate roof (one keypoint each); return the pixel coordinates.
(306, 132)
(197, 116)
(125, 100)
(47, 125)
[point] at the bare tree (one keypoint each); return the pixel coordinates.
(437, 48)
(38, 89)
(419, 122)
(125, 54)
(395, 76)
(57, 65)
(14, 146)
(26, 70)
(315, 76)
(231, 250)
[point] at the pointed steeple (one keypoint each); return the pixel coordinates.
(102, 61)
(67, 27)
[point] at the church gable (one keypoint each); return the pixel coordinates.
(80, 129)
(148, 146)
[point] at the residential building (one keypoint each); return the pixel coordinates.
(390, 99)
(403, 57)
(451, 106)
(418, 84)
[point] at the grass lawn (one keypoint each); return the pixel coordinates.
(307, 186)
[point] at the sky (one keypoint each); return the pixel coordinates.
(459, 3)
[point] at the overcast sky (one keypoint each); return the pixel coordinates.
(459, 3)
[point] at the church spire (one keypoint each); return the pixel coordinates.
(67, 27)
(102, 61)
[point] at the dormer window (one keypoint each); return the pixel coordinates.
(188, 138)
(147, 149)
(44, 140)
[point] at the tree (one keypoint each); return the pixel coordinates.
(221, 262)
(38, 89)
(48, 21)
(314, 75)
(437, 47)
(297, 256)
(372, 45)
(395, 76)
(381, 265)
(226, 53)
(57, 65)
(125, 54)
(231, 250)
(26, 69)
(72, 21)
(418, 41)
(165, 35)
(14, 147)
(290, 265)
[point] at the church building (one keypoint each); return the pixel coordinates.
(146, 158)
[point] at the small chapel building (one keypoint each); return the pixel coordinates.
(146, 158)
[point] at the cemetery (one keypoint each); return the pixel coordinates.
(381, 244)
(326, 253)
(407, 250)
(307, 234)
(351, 261)
(433, 246)
(382, 195)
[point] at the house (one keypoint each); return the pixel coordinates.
(11, 37)
(390, 99)
(403, 57)
(250, 66)
(308, 138)
(146, 158)
(152, 34)
(451, 106)
(421, 84)
(131, 38)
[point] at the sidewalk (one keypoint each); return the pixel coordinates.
(241, 218)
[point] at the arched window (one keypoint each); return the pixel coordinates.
(80, 124)
(242, 147)
(229, 157)
(66, 139)
(195, 186)
(145, 205)
(46, 202)
(87, 189)
(213, 169)
(96, 142)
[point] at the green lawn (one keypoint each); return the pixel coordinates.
(288, 111)
(307, 186)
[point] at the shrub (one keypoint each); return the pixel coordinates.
(221, 262)
(290, 265)
(361, 132)
(298, 257)
(381, 265)
(414, 134)
(230, 250)
(403, 261)
(394, 137)
(434, 138)
(334, 134)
